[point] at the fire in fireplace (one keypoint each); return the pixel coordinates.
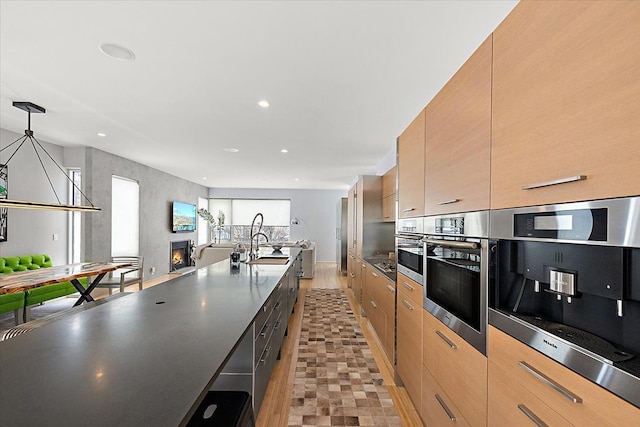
(180, 253)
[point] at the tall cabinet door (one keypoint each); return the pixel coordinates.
(411, 169)
(458, 146)
(566, 103)
(351, 221)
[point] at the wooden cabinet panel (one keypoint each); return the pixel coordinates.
(411, 288)
(411, 146)
(460, 369)
(512, 404)
(389, 208)
(598, 407)
(351, 265)
(566, 102)
(409, 346)
(437, 409)
(359, 216)
(382, 293)
(389, 182)
(351, 220)
(375, 314)
(458, 142)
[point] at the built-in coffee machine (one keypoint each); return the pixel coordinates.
(565, 280)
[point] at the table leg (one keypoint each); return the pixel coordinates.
(85, 294)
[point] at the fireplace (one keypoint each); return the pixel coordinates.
(180, 254)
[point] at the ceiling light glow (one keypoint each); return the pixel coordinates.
(264, 103)
(284, 150)
(101, 134)
(231, 150)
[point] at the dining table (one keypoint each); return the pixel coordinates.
(25, 280)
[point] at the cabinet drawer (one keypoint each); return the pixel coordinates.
(262, 337)
(437, 409)
(375, 314)
(409, 351)
(512, 404)
(411, 288)
(264, 313)
(577, 399)
(460, 369)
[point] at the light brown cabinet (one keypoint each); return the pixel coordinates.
(578, 400)
(458, 141)
(459, 369)
(409, 337)
(566, 102)
(438, 409)
(411, 152)
(389, 195)
(352, 224)
(380, 294)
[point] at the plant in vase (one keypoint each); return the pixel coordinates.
(220, 225)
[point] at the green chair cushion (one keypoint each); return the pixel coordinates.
(11, 302)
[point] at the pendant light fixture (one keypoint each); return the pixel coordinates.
(38, 149)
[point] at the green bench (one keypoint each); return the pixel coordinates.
(19, 302)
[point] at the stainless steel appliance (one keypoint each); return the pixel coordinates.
(410, 248)
(455, 277)
(565, 280)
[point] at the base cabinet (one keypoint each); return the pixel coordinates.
(590, 405)
(459, 369)
(379, 299)
(438, 409)
(409, 337)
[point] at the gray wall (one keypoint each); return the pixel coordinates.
(316, 210)
(31, 231)
(157, 191)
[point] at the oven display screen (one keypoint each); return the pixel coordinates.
(558, 222)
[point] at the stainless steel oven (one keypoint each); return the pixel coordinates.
(410, 248)
(565, 280)
(455, 276)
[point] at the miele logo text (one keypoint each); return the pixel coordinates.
(550, 344)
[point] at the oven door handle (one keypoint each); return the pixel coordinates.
(451, 244)
(409, 236)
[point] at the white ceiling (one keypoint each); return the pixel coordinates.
(344, 78)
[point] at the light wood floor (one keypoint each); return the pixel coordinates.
(275, 407)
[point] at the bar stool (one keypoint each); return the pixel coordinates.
(224, 409)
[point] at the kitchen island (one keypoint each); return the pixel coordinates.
(146, 359)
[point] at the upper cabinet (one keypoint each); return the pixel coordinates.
(566, 103)
(389, 195)
(411, 146)
(458, 141)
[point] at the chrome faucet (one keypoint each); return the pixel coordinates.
(254, 254)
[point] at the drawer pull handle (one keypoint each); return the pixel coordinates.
(408, 286)
(406, 304)
(374, 274)
(373, 304)
(445, 407)
(551, 383)
(408, 209)
(448, 202)
(352, 275)
(263, 332)
(533, 417)
(275, 328)
(447, 340)
(277, 306)
(391, 288)
(555, 182)
(263, 359)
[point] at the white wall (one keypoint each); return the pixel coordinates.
(31, 231)
(316, 210)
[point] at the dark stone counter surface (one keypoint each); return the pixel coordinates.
(376, 259)
(146, 359)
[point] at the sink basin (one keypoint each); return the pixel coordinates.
(269, 260)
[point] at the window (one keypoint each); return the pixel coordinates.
(75, 225)
(203, 226)
(239, 214)
(125, 223)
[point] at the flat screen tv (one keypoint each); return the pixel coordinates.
(183, 218)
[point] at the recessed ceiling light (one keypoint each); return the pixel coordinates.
(284, 150)
(231, 150)
(296, 179)
(118, 52)
(102, 134)
(264, 103)
(204, 178)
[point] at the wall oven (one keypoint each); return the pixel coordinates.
(455, 277)
(410, 248)
(565, 280)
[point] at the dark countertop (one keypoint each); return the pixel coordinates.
(145, 359)
(381, 258)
